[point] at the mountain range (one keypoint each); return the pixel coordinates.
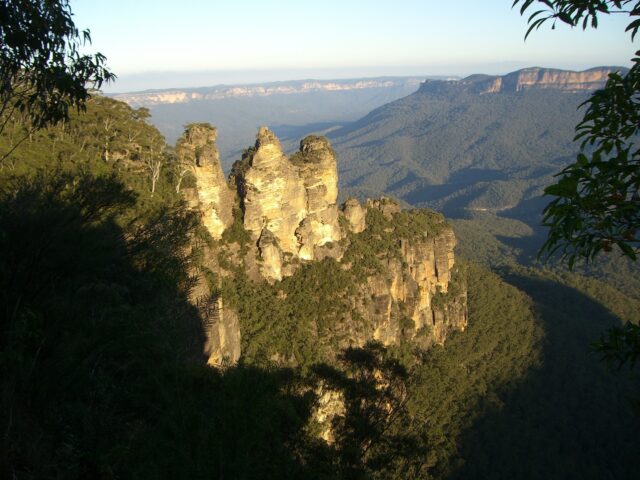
(291, 109)
(128, 264)
(481, 143)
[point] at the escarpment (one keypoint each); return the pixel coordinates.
(301, 277)
(534, 78)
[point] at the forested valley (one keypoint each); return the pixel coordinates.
(102, 366)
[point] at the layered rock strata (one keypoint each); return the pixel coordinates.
(294, 199)
(197, 154)
(411, 287)
(527, 79)
(290, 216)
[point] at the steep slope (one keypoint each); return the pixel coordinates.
(385, 274)
(100, 347)
(482, 143)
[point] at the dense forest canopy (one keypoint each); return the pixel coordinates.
(102, 373)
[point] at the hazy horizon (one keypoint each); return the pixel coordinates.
(158, 44)
(163, 80)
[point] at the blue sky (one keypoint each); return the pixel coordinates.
(162, 43)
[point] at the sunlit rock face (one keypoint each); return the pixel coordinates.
(543, 78)
(295, 199)
(290, 216)
(405, 295)
(197, 151)
(355, 215)
(272, 193)
(316, 164)
(534, 78)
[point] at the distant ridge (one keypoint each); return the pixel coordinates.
(532, 78)
(219, 92)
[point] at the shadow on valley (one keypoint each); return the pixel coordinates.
(570, 417)
(101, 353)
(101, 366)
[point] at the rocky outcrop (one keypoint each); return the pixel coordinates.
(271, 256)
(272, 194)
(222, 330)
(354, 214)
(316, 164)
(221, 326)
(534, 78)
(295, 199)
(385, 205)
(406, 284)
(417, 294)
(198, 154)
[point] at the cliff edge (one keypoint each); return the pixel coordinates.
(534, 78)
(373, 271)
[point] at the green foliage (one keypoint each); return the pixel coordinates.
(372, 438)
(457, 286)
(576, 12)
(381, 238)
(294, 320)
(110, 137)
(85, 315)
(597, 204)
(43, 74)
(620, 345)
(236, 233)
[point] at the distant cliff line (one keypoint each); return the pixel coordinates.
(219, 92)
(533, 78)
(526, 78)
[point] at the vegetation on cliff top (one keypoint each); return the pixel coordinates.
(103, 349)
(100, 351)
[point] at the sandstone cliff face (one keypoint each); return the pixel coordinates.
(295, 199)
(407, 288)
(222, 329)
(408, 296)
(539, 78)
(316, 164)
(221, 326)
(527, 79)
(355, 215)
(197, 151)
(272, 193)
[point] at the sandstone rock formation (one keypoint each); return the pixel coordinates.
(222, 330)
(527, 79)
(197, 152)
(316, 163)
(355, 215)
(221, 326)
(408, 290)
(415, 295)
(295, 199)
(271, 256)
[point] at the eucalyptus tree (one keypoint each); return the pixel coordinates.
(597, 198)
(43, 72)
